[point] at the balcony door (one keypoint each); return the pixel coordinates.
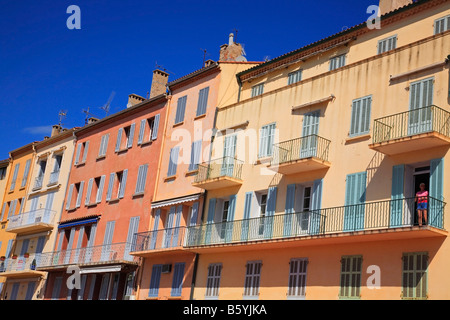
(48, 207)
(32, 213)
(309, 135)
(421, 97)
(229, 152)
(355, 198)
(21, 261)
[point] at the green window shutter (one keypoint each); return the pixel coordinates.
(436, 207)
(355, 197)
(351, 270)
(415, 275)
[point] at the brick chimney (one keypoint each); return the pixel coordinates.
(208, 63)
(159, 81)
(134, 99)
(232, 51)
(387, 6)
(56, 129)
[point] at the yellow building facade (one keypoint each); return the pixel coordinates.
(321, 159)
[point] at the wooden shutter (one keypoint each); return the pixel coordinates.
(86, 148)
(396, 214)
(89, 191)
(141, 180)
(252, 279)
(15, 291)
(123, 183)
(16, 173)
(211, 210)
(112, 177)
(119, 139)
(132, 230)
(154, 281)
(289, 210)
(263, 141)
(30, 290)
(213, 280)
(435, 215)
(78, 153)
(173, 161)
(195, 155)
(100, 189)
(194, 215)
(141, 131)
(202, 101)
(131, 136)
(25, 174)
(69, 196)
(155, 127)
(297, 278)
(181, 107)
(80, 194)
(355, 197)
(104, 145)
(3, 211)
(177, 282)
(109, 232)
(80, 293)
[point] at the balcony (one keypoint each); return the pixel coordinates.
(54, 176)
(217, 174)
(33, 221)
(21, 267)
(300, 155)
(372, 221)
(413, 130)
(117, 253)
(153, 242)
(38, 183)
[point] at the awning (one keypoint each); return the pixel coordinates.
(173, 202)
(77, 223)
(101, 270)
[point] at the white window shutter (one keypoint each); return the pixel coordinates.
(123, 184)
(155, 127)
(69, 196)
(131, 136)
(80, 194)
(110, 186)
(141, 131)
(98, 198)
(89, 191)
(86, 148)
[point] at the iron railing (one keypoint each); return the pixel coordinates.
(30, 218)
(97, 254)
(160, 239)
(21, 263)
(223, 167)
(54, 176)
(301, 148)
(413, 122)
(38, 182)
(360, 217)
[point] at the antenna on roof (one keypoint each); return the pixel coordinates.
(205, 53)
(62, 115)
(235, 31)
(88, 114)
(160, 67)
(107, 105)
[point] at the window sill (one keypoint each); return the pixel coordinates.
(138, 195)
(71, 209)
(362, 137)
(264, 160)
(100, 158)
(290, 298)
(49, 185)
(191, 173)
(21, 188)
(250, 297)
(200, 117)
(178, 124)
(168, 179)
(112, 201)
(349, 298)
(90, 205)
(146, 143)
(174, 298)
(80, 164)
(122, 151)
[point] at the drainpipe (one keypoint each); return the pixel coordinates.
(194, 276)
(240, 88)
(447, 61)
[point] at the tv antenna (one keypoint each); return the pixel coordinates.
(107, 105)
(235, 32)
(62, 115)
(205, 53)
(88, 114)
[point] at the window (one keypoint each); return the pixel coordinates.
(12, 208)
(297, 278)
(54, 175)
(266, 139)
(79, 192)
(213, 280)
(414, 280)
(196, 152)
(337, 62)
(2, 173)
(148, 130)
(258, 90)
(387, 44)
(177, 282)
(117, 185)
(57, 288)
(16, 173)
(25, 173)
(262, 213)
(154, 281)
(202, 101)
(142, 177)
(350, 277)
(82, 149)
(295, 77)
(40, 174)
(125, 138)
(360, 122)
(442, 24)
(181, 109)
(252, 279)
(103, 146)
(173, 162)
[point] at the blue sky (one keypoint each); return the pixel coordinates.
(45, 67)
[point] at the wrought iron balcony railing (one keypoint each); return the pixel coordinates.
(360, 217)
(109, 253)
(31, 218)
(410, 123)
(21, 263)
(160, 239)
(301, 148)
(223, 167)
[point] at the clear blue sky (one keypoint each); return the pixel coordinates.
(45, 67)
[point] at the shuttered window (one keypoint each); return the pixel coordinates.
(177, 282)
(258, 90)
(414, 275)
(196, 150)
(252, 279)
(350, 286)
(14, 179)
(442, 24)
(79, 187)
(57, 288)
(297, 278)
(213, 280)
(130, 135)
(173, 161)
(103, 145)
(181, 109)
(142, 178)
(202, 101)
(82, 152)
(118, 140)
(26, 173)
(154, 281)
(69, 196)
(85, 151)
(3, 211)
(123, 183)
(360, 121)
(337, 62)
(388, 44)
(87, 201)
(266, 139)
(100, 188)
(295, 77)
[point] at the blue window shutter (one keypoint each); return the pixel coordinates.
(177, 282)
(232, 208)
(211, 209)
(30, 290)
(131, 136)
(9, 248)
(77, 157)
(14, 291)
(112, 177)
(156, 220)
(3, 211)
(316, 206)
(109, 232)
(354, 201)
(98, 198)
(247, 210)
(22, 203)
(40, 244)
(69, 196)
(202, 101)
(435, 213)
(123, 183)
(173, 161)
(89, 191)
(132, 230)
(289, 210)
(25, 174)
(175, 231)
(271, 201)
(397, 196)
(80, 195)
(57, 288)
(155, 127)
(181, 107)
(119, 139)
(154, 281)
(24, 249)
(194, 215)
(196, 150)
(86, 148)
(141, 131)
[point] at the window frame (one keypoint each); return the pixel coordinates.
(349, 274)
(352, 132)
(250, 279)
(295, 76)
(213, 278)
(414, 273)
(257, 90)
(446, 26)
(341, 58)
(297, 275)
(385, 41)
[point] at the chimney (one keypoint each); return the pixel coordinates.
(134, 99)
(159, 81)
(231, 39)
(208, 63)
(92, 120)
(387, 6)
(232, 51)
(56, 129)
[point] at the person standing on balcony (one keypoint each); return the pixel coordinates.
(422, 204)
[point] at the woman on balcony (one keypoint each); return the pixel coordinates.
(422, 204)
